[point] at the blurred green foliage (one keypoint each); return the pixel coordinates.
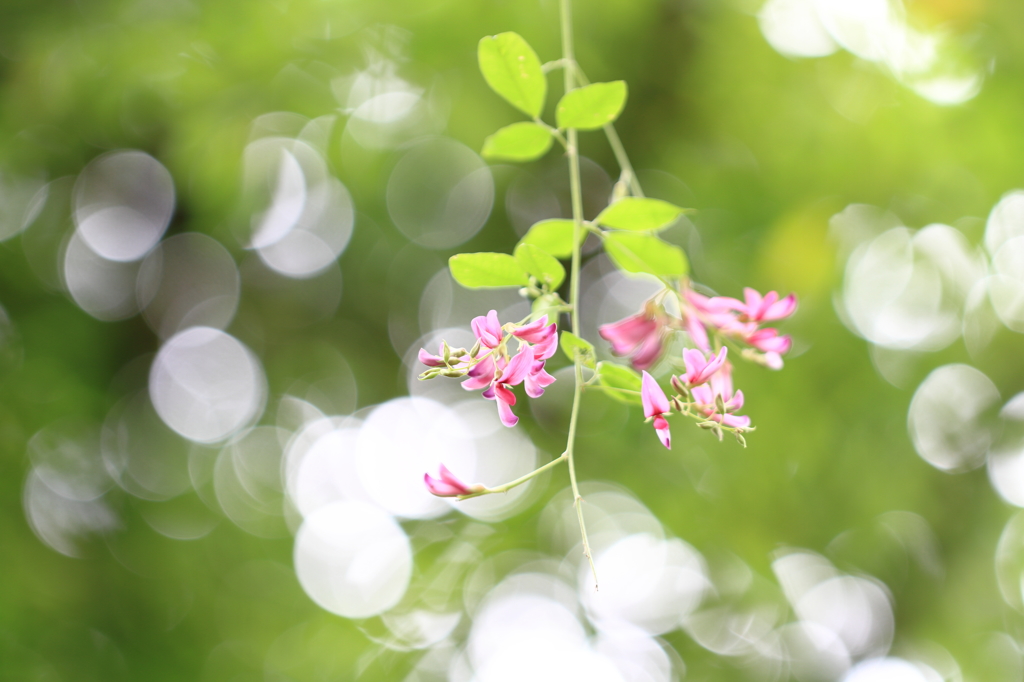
(733, 129)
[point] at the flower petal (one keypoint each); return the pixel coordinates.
(519, 367)
(652, 397)
(661, 428)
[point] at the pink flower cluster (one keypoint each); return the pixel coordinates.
(741, 320)
(706, 388)
(496, 372)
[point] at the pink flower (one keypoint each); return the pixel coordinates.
(488, 329)
(769, 341)
(498, 376)
(721, 385)
(757, 308)
(640, 336)
(700, 367)
(716, 312)
(655, 405)
(447, 485)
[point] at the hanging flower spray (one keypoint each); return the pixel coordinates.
(628, 232)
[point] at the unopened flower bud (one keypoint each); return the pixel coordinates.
(677, 384)
(676, 403)
(620, 190)
(432, 373)
(740, 439)
(452, 372)
(475, 349)
(719, 403)
(458, 352)
(707, 425)
(446, 352)
(718, 432)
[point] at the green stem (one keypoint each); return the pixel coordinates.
(576, 189)
(519, 481)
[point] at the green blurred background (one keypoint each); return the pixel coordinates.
(770, 131)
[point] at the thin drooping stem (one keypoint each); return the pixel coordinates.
(576, 190)
(504, 488)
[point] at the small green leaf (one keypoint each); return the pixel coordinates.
(549, 305)
(518, 142)
(617, 376)
(591, 107)
(570, 342)
(478, 270)
(553, 236)
(636, 213)
(541, 265)
(512, 69)
(633, 252)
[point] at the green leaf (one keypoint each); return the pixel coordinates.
(617, 376)
(478, 270)
(634, 252)
(541, 265)
(553, 236)
(591, 107)
(636, 213)
(512, 69)
(570, 342)
(518, 142)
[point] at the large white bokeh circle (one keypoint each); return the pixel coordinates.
(353, 559)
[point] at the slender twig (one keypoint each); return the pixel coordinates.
(576, 191)
(504, 488)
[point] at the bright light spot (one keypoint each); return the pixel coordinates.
(647, 582)
(815, 653)
(1006, 471)
(906, 290)
(309, 217)
(189, 280)
(1006, 221)
(855, 609)
(206, 385)
(440, 193)
(526, 629)
(327, 471)
(1006, 288)
(103, 288)
(637, 655)
(793, 28)
(864, 27)
(935, 65)
(123, 204)
(890, 670)
(945, 417)
(948, 90)
(405, 438)
(353, 559)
